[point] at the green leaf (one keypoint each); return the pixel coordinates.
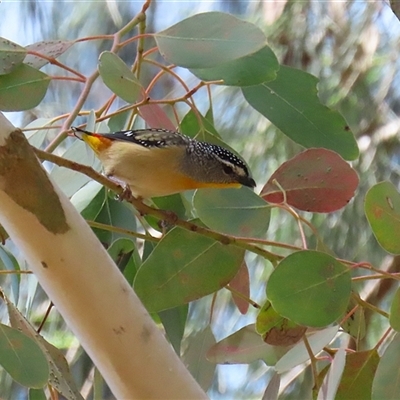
(253, 69)
(118, 214)
(316, 180)
(185, 266)
(358, 375)
(37, 394)
(11, 55)
(22, 89)
(121, 251)
(382, 208)
(291, 103)
(60, 376)
(238, 212)
(118, 77)
(22, 358)
(355, 324)
(386, 383)
(49, 48)
(394, 317)
(172, 203)
(244, 347)
(89, 199)
(119, 121)
(174, 321)
(9, 263)
(195, 357)
(310, 288)
(209, 39)
(201, 130)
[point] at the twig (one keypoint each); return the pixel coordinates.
(313, 361)
(55, 62)
(127, 232)
(144, 209)
(370, 306)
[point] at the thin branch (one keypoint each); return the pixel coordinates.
(55, 62)
(368, 266)
(313, 361)
(269, 243)
(383, 338)
(369, 306)
(75, 112)
(66, 78)
(123, 231)
(293, 212)
(46, 315)
(15, 272)
(242, 296)
(89, 81)
(144, 209)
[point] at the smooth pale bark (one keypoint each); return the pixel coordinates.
(83, 282)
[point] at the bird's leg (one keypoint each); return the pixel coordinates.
(126, 190)
(167, 224)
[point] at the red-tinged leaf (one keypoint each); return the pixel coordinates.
(358, 375)
(244, 347)
(394, 317)
(156, 117)
(241, 283)
(316, 180)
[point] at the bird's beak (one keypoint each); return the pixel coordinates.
(247, 181)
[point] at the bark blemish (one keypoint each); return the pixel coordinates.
(145, 334)
(25, 181)
(119, 331)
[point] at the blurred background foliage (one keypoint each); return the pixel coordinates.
(351, 46)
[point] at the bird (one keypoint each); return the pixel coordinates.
(160, 162)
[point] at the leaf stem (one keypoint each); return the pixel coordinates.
(242, 296)
(313, 361)
(370, 306)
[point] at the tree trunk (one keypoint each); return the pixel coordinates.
(85, 285)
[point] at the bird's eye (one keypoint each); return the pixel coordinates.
(228, 170)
